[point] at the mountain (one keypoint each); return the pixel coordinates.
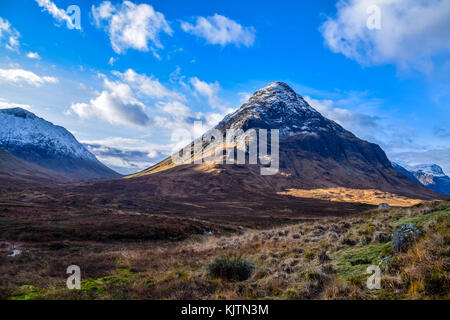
(314, 152)
(430, 175)
(51, 147)
(405, 172)
(17, 174)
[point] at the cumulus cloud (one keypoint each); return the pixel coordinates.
(176, 109)
(131, 26)
(9, 36)
(116, 104)
(33, 55)
(4, 104)
(358, 123)
(221, 30)
(411, 32)
(19, 76)
(147, 85)
(208, 90)
(127, 156)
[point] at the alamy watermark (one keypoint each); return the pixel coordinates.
(236, 143)
(374, 281)
(74, 280)
(73, 13)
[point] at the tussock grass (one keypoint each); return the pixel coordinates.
(323, 259)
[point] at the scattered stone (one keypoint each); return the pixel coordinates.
(383, 206)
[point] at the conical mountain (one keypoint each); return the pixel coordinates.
(314, 152)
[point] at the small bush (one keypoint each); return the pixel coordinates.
(310, 253)
(231, 269)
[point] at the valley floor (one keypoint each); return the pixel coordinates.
(311, 259)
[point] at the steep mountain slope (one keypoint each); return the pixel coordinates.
(430, 175)
(38, 141)
(405, 172)
(16, 173)
(314, 152)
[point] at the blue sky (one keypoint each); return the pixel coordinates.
(138, 71)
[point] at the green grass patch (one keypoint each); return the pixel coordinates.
(420, 220)
(28, 292)
(351, 263)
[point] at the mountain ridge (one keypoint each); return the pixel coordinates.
(52, 147)
(429, 175)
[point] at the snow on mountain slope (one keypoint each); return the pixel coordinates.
(20, 127)
(431, 169)
(430, 175)
(38, 141)
(314, 152)
(277, 106)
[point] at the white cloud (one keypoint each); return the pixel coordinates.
(6, 105)
(412, 32)
(244, 96)
(148, 86)
(33, 55)
(59, 14)
(439, 156)
(125, 155)
(19, 76)
(357, 123)
(176, 109)
(132, 26)
(221, 30)
(8, 35)
(116, 104)
(208, 90)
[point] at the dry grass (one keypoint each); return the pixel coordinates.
(309, 260)
(369, 196)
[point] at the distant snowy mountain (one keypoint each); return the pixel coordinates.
(430, 175)
(430, 169)
(40, 142)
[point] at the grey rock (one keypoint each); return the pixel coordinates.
(405, 236)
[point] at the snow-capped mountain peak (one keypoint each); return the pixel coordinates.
(21, 128)
(431, 169)
(40, 142)
(278, 106)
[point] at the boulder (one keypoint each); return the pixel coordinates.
(405, 236)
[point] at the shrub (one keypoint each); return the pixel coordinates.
(231, 269)
(310, 253)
